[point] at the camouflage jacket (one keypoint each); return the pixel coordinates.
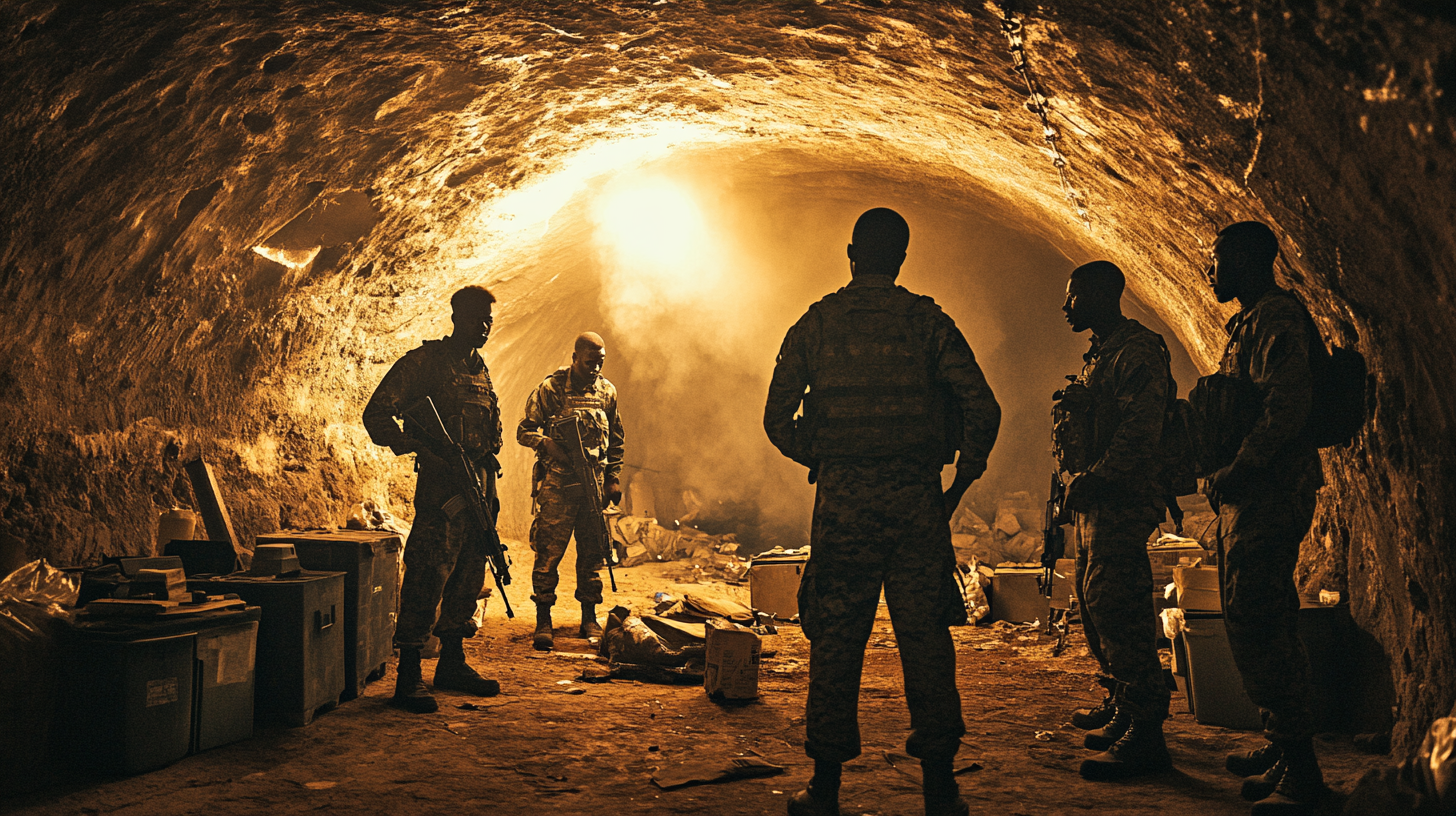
(1268, 346)
(949, 356)
(1127, 377)
(459, 383)
(558, 396)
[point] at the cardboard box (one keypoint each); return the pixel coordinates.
(1016, 594)
(1164, 557)
(1198, 589)
(731, 670)
(1064, 583)
(773, 583)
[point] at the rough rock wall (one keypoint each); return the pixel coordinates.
(380, 153)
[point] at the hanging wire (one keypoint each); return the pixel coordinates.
(1037, 103)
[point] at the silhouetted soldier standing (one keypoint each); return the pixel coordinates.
(581, 391)
(1116, 494)
(893, 392)
(445, 560)
(1265, 500)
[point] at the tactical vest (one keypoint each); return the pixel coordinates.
(590, 407)
(466, 401)
(871, 394)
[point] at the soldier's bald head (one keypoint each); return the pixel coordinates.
(589, 341)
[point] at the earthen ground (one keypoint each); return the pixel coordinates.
(553, 744)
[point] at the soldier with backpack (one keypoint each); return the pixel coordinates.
(1109, 434)
(1263, 473)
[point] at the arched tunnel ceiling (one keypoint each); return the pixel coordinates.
(386, 153)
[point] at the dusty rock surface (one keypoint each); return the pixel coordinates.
(553, 744)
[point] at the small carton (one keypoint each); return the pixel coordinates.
(731, 669)
(1170, 551)
(1198, 589)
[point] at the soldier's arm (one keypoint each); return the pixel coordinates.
(393, 395)
(981, 413)
(1140, 386)
(786, 394)
(531, 431)
(616, 441)
(499, 428)
(1279, 366)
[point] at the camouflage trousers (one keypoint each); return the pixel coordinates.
(1260, 538)
(444, 568)
(1114, 589)
(562, 510)
(880, 525)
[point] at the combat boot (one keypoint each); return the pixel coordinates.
(410, 693)
(1253, 763)
(1104, 737)
(1301, 786)
(1099, 716)
(942, 794)
(821, 798)
(589, 626)
(454, 674)
(543, 639)
(1139, 752)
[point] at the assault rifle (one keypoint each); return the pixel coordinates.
(1053, 547)
(567, 432)
(466, 478)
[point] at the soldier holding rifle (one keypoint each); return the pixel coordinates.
(445, 559)
(573, 411)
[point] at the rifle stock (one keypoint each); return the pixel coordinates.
(567, 431)
(466, 478)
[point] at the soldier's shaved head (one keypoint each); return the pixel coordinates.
(588, 341)
(1102, 276)
(1253, 239)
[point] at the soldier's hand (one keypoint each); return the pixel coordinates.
(613, 491)
(957, 490)
(1084, 491)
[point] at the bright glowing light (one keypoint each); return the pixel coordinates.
(294, 259)
(659, 250)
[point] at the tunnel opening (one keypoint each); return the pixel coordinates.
(224, 229)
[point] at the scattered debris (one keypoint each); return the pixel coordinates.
(718, 769)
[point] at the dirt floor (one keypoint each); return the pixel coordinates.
(552, 744)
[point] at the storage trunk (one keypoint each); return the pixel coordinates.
(300, 667)
(369, 560)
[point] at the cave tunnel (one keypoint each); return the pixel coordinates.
(223, 222)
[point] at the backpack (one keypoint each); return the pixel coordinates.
(1178, 444)
(1338, 375)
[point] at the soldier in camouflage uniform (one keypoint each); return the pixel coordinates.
(1265, 500)
(1117, 498)
(445, 559)
(894, 393)
(561, 509)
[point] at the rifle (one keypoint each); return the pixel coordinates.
(567, 432)
(1053, 547)
(424, 416)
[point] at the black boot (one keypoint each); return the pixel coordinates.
(543, 640)
(1253, 763)
(410, 693)
(1104, 737)
(589, 627)
(1098, 717)
(942, 795)
(1141, 751)
(821, 798)
(1301, 786)
(454, 674)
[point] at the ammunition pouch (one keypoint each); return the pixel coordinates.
(1224, 410)
(1072, 428)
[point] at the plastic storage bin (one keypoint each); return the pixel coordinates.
(773, 583)
(1215, 689)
